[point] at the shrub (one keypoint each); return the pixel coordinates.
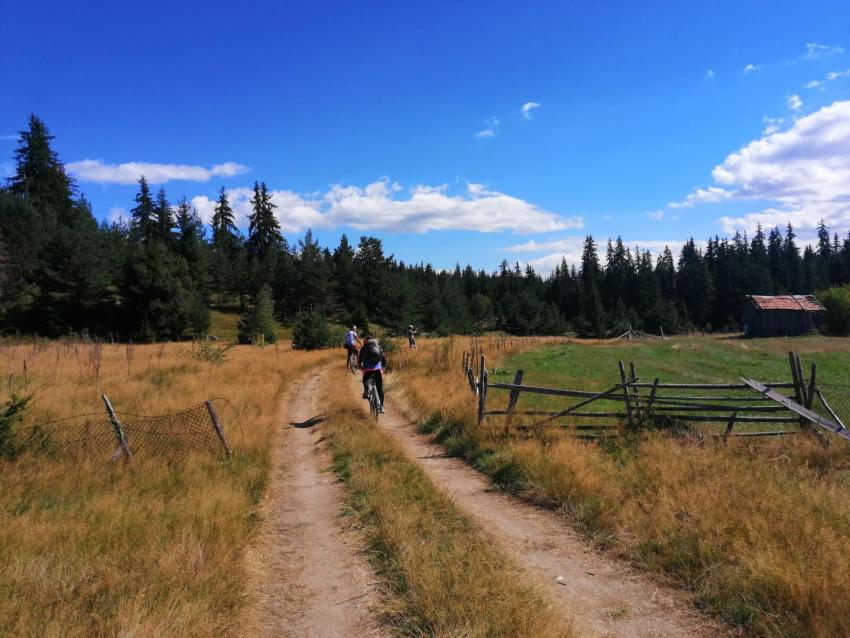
(257, 324)
(10, 415)
(836, 317)
(311, 332)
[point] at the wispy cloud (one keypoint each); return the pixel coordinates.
(97, 171)
(795, 103)
(709, 74)
(815, 51)
(8, 138)
(751, 67)
(802, 173)
(493, 124)
(772, 124)
(382, 206)
(830, 77)
(528, 107)
(7, 169)
(656, 215)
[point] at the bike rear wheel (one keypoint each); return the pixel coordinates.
(374, 401)
(352, 363)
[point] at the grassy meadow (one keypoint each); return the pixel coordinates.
(755, 529)
(93, 548)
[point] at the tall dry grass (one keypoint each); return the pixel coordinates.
(442, 574)
(758, 531)
(91, 548)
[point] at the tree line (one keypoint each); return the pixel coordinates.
(156, 275)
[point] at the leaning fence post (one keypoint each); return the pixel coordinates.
(119, 430)
(625, 384)
(641, 415)
(514, 397)
(799, 391)
(218, 430)
(482, 391)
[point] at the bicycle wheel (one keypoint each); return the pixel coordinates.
(352, 363)
(374, 401)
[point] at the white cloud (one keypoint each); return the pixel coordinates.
(795, 103)
(656, 215)
(712, 194)
(8, 138)
(815, 51)
(90, 170)
(709, 74)
(814, 84)
(377, 206)
(528, 107)
(117, 214)
(493, 124)
(751, 67)
(7, 169)
(834, 75)
(802, 172)
(772, 124)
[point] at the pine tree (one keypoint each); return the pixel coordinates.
(264, 230)
(163, 218)
(592, 315)
(257, 324)
(143, 214)
(223, 223)
(40, 176)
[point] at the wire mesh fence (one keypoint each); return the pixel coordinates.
(97, 435)
(837, 396)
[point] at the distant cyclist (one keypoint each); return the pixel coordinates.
(352, 341)
(411, 337)
(372, 361)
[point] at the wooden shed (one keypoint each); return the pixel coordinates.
(780, 315)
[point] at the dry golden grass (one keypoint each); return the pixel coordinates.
(443, 575)
(758, 531)
(90, 548)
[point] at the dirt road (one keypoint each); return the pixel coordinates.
(605, 595)
(308, 577)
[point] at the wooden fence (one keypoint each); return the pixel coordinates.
(756, 409)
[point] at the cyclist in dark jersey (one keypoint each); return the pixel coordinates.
(372, 362)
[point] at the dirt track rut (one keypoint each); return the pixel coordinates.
(309, 578)
(605, 596)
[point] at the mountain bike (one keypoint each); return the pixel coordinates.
(374, 400)
(352, 361)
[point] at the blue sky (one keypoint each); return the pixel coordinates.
(468, 132)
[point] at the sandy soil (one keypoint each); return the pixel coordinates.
(309, 577)
(605, 596)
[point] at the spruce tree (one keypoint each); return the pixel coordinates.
(143, 226)
(264, 230)
(163, 218)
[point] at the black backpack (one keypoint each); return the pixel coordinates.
(372, 353)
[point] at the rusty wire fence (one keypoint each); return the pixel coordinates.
(113, 435)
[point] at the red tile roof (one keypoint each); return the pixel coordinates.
(786, 302)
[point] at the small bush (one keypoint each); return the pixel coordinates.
(836, 317)
(311, 332)
(10, 415)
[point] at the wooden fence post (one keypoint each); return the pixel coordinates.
(624, 382)
(810, 397)
(514, 397)
(119, 430)
(218, 430)
(482, 391)
(799, 391)
(640, 413)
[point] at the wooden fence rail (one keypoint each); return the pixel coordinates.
(644, 404)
